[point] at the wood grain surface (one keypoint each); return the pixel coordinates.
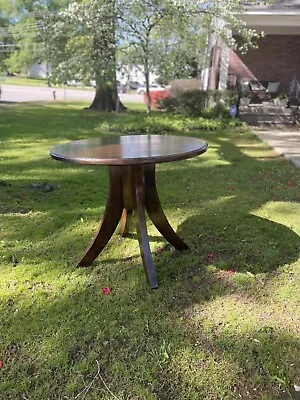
(129, 150)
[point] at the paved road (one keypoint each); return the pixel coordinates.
(36, 93)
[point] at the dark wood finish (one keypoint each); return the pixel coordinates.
(131, 161)
(155, 211)
(129, 150)
(128, 201)
(112, 215)
(138, 172)
(125, 222)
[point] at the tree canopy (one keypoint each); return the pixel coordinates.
(83, 38)
(23, 40)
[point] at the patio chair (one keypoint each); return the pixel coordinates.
(272, 89)
(294, 92)
(260, 92)
(294, 99)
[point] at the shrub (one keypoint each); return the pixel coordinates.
(282, 96)
(156, 97)
(217, 111)
(190, 103)
(196, 103)
(169, 104)
(193, 102)
(184, 85)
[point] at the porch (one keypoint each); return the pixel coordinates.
(267, 114)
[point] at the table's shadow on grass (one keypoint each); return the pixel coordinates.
(117, 326)
(242, 242)
(238, 240)
(54, 335)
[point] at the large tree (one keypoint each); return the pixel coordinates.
(26, 31)
(7, 45)
(27, 45)
(85, 37)
(165, 36)
(6, 42)
(83, 45)
(169, 35)
(183, 54)
(81, 41)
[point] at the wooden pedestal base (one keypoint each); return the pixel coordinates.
(132, 190)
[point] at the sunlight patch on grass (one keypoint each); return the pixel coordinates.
(286, 213)
(223, 322)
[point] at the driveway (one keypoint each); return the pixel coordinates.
(21, 94)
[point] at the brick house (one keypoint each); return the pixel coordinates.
(278, 55)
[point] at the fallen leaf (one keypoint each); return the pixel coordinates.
(106, 290)
(231, 272)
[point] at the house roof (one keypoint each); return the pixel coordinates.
(280, 17)
(277, 5)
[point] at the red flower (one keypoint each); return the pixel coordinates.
(106, 290)
(231, 272)
(159, 249)
(1, 364)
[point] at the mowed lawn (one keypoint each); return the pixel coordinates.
(19, 81)
(224, 322)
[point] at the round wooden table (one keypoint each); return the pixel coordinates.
(131, 162)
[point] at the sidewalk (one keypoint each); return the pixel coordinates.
(285, 141)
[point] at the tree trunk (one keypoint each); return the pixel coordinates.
(148, 99)
(104, 59)
(147, 71)
(107, 99)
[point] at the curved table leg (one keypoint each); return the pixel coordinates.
(125, 222)
(155, 211)
(128, 196)
(111, 217)
(138, 172)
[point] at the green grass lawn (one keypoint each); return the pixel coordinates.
(224, 322)
(19, 81)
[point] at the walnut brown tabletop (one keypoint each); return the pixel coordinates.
(131, 162)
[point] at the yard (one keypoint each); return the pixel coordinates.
(224, 322)
(18, 81)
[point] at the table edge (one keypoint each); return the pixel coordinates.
(133, 161)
